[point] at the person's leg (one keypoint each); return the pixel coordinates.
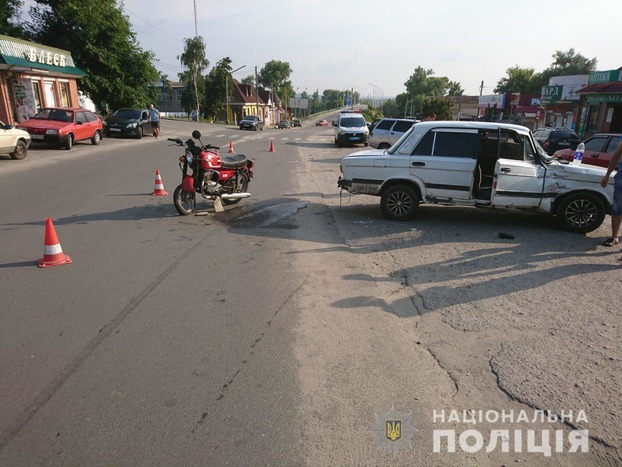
(616, 211)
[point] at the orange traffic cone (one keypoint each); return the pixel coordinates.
(159, 187)
(52, 252)
(272, 146)
(231, 151)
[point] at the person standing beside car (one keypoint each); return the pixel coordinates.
(154, 118)
(616, 207)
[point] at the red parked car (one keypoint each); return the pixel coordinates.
(63, 125)
(598, 149)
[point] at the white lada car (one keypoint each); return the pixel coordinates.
(13, 141)
(480, 164)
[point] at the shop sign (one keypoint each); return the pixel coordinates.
(607, 98)
(551, 94)
(604, 77)
(46, 57)
(492, 100)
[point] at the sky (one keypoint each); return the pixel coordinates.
(374, 46)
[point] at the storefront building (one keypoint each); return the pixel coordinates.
(561, 100)
(601, 109)
(33, 76)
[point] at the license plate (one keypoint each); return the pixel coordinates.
(115, 129)
(36, 136)
(354, 138)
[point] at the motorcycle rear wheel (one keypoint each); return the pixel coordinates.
(241, 187)
(184, 201)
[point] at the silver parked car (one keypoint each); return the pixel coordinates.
(388, 130)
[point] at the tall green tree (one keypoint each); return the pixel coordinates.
(195, 61)
(332, 99)
(275, 75)
(420, 87)
(102, 43)
(519, 79)
(567, 64)
(9, 18)
(218, 88)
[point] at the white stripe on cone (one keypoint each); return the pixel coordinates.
(52, 249)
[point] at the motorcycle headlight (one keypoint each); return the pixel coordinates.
(189, 158)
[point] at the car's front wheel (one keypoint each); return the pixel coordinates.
(139, 132)
(399, 203)
(21, 150)
(581, 212)
(69, 141)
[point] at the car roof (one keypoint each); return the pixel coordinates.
(490, 126)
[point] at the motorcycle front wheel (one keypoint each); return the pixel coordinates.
(184, 201)
(241, 187)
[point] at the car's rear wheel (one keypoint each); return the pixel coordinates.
(21, 150)
(581, 212)
(399, 203)
(96, 139)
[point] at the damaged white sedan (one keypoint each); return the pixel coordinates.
(493, 165)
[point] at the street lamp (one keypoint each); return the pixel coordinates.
(227, 90)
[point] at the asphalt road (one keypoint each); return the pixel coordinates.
(286, 329)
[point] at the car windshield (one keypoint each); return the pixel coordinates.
(127, 113)
(251, 118)
(58, 115)
(544, 157)
(397, 144)
(352, 122)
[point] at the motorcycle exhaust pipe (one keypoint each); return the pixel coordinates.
(235, 195)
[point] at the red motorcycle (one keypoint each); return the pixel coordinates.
(214, 177)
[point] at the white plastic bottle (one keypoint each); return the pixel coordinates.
(578, 154)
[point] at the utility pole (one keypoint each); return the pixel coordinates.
(196, 33)
(481, 90)
(257, 91)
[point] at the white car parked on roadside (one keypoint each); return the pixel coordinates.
(480, 164)
(13, 141)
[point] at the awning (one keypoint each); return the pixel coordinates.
(600, 88)
(8, 62)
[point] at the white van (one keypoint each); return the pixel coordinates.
(351, 129)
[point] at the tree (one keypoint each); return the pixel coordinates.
(420, 87)
(275, 75)
(332, 99)
(216, 96)
(193, 58)
(519, 79)
(567, 64)
(9, 15)
(102, 44)
(250, 80)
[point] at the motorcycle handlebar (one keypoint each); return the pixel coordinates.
(181, 143)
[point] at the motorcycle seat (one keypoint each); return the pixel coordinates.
(235, 161)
